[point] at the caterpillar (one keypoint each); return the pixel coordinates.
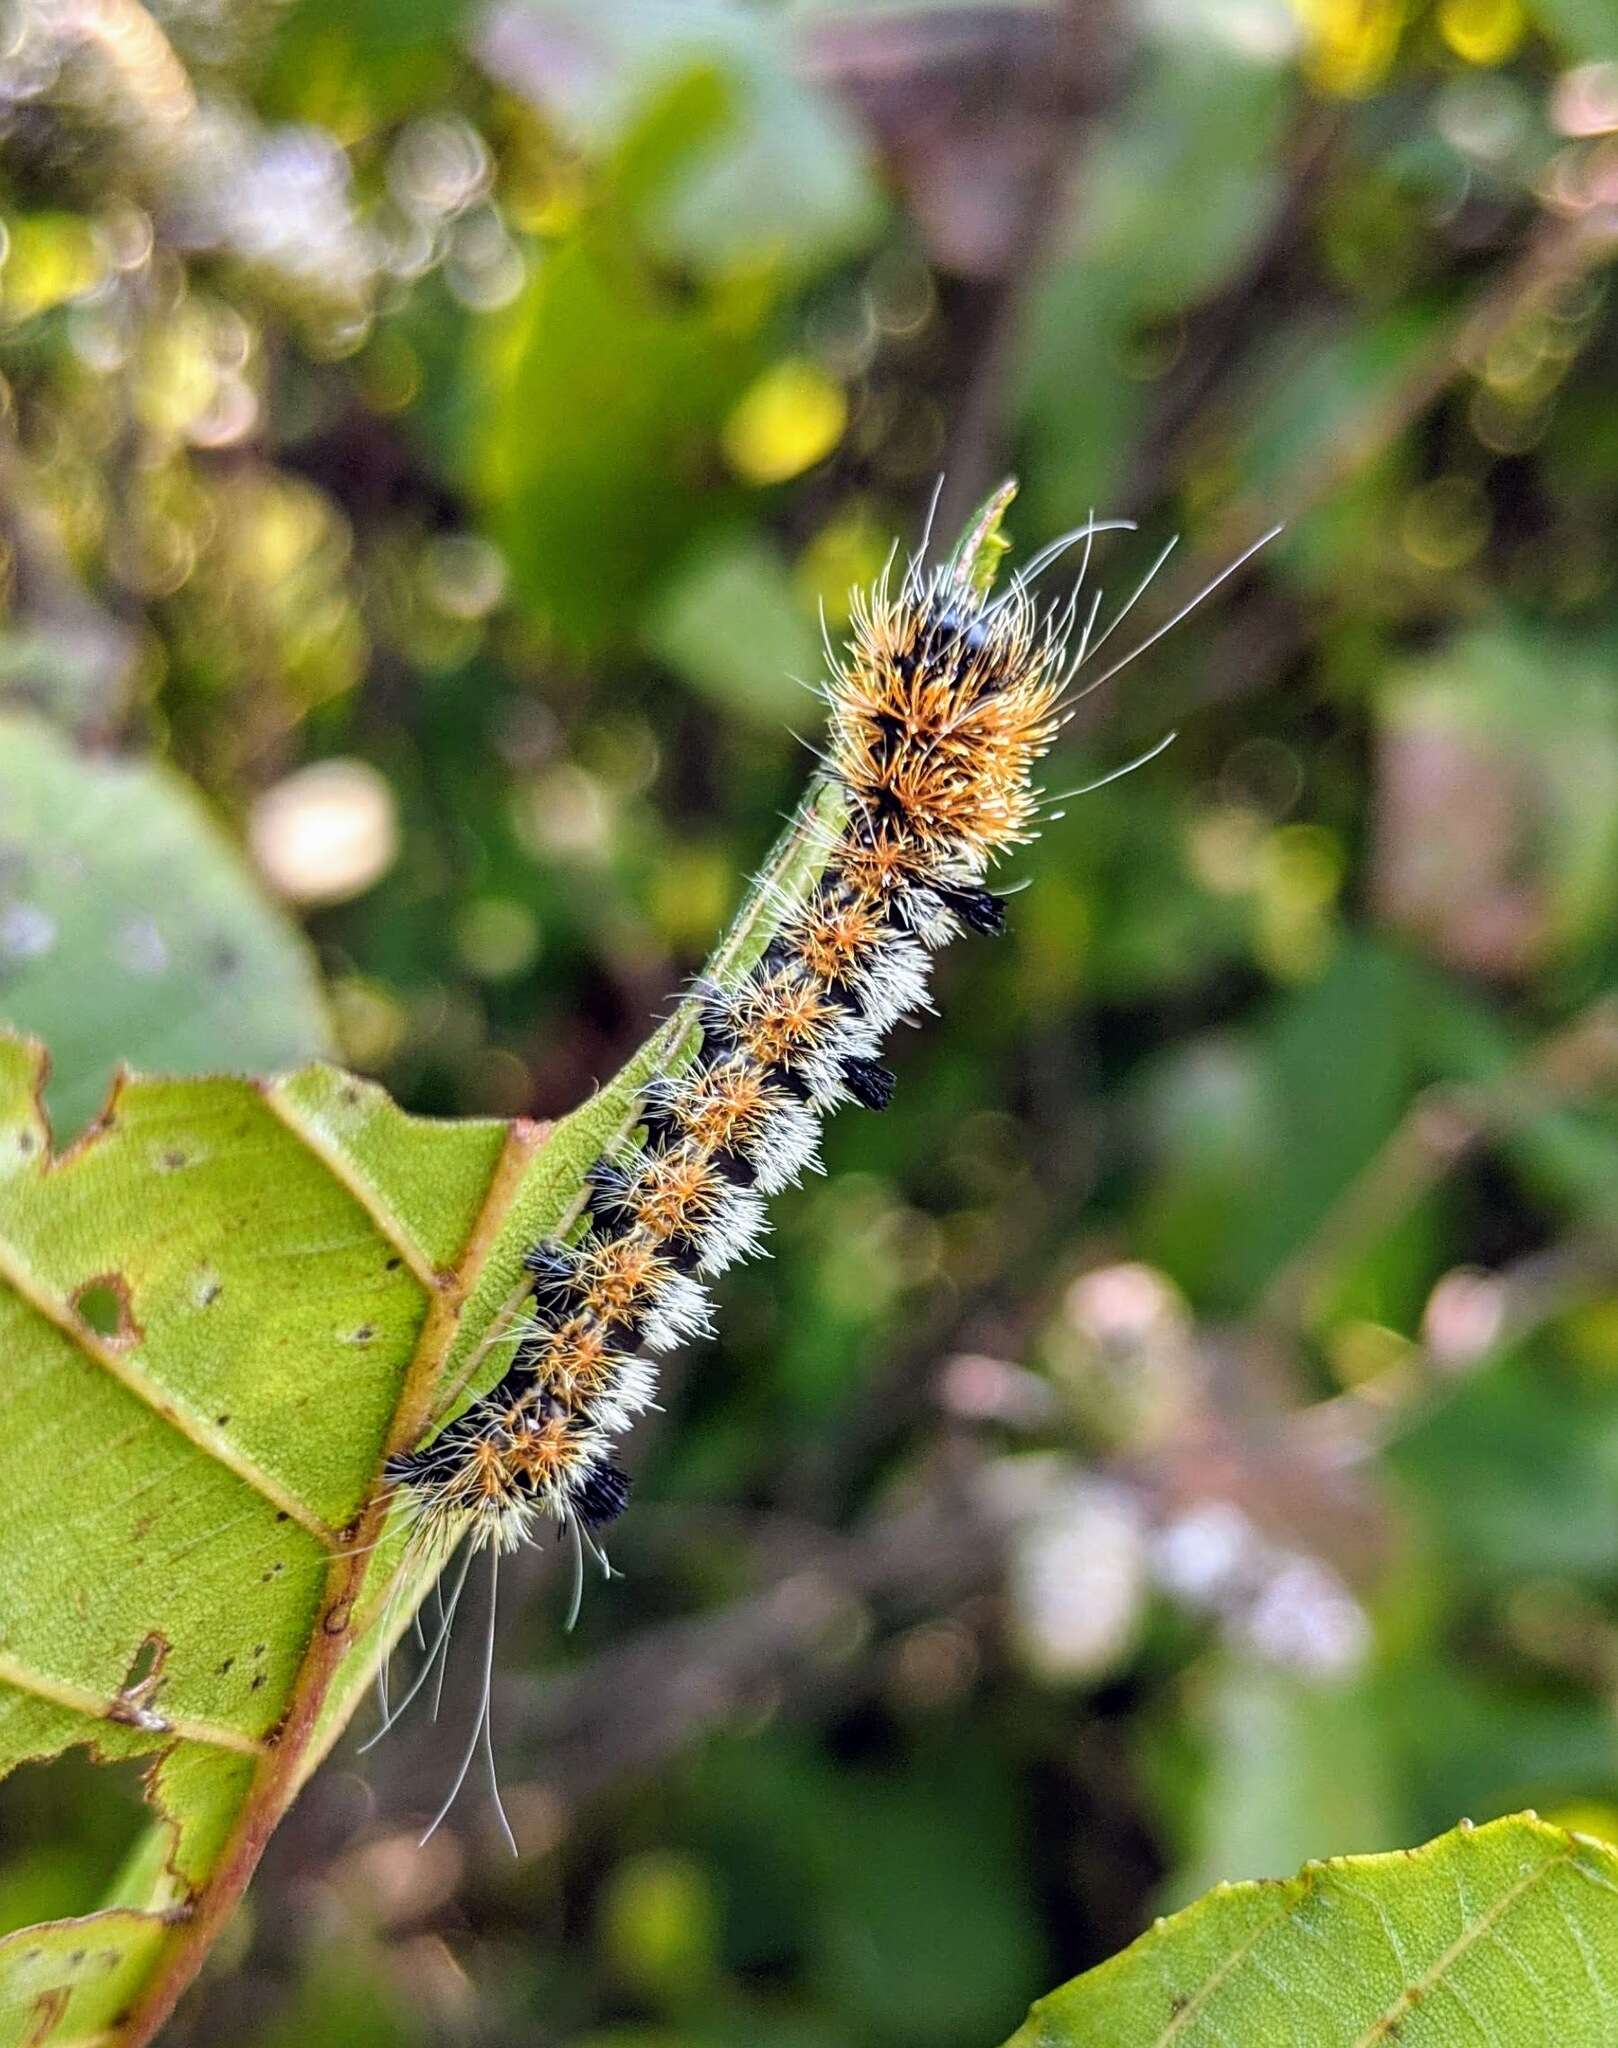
(938, 711)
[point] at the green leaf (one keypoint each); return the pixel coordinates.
(1523, 726)
(74, 674)
(977, 553)
(721, 179)
(1504, 1933)
(730, 624)
(131, 931)
(219, 1312)
(862, 1866)
(1204, 121)
(782, 181)
(1582, 29)
(621, 382)
(622, 373)
(1508, 1440)
(1254, 1149)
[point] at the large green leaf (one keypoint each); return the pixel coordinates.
(219, 1312)
(1493, 1935)
(130, 929)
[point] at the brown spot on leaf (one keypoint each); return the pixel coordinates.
(43, 2015)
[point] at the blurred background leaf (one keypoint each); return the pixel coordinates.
(179, 965)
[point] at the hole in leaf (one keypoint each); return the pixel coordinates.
(68, 1823)
(103, 1305)
(147, 1662)
(134, 1702)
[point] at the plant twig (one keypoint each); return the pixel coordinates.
(1439, 1129)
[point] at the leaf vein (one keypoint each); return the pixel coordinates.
(281, 1769)
(1468, 1935)
(1189, 2011)
(343, 1171)
(58, 1692)
(15, 1274)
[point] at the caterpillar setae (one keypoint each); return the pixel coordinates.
(938, 711)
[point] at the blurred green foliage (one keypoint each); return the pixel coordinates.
(1181, 1436)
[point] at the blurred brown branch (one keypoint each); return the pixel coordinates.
(1498, 1309)
(648, 1697)
(1440, 1128)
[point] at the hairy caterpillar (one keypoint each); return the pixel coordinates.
(938, 712)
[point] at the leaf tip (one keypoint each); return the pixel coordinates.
(975, 558)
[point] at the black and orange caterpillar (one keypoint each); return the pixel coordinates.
(939, 709)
